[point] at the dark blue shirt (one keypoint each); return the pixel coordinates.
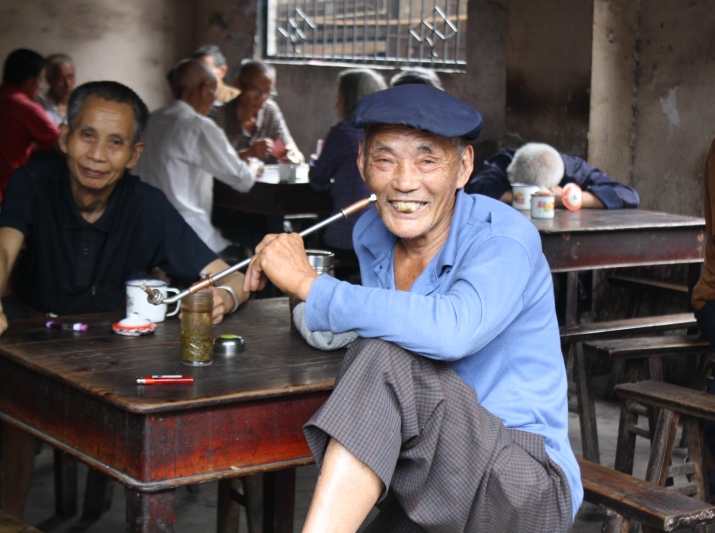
(336, 170)
(492, 180)
(70, 266)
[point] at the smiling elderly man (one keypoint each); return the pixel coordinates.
(450, 408)
(87, 227)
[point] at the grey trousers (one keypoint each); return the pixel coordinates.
(447, 463)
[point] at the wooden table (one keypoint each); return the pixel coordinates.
(274, 199)
(591, 239)
(242, 415)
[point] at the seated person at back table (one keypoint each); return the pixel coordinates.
(253, 122)
(185, 150)
(24, 125)
(336, 169)
(417, 75)
(540, 164)
(60, 78)
(214, 58)
(441, 410)
(87, 227)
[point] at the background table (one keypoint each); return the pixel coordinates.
(244, 414)
(591, 239)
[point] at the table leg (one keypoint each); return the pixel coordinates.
(65, 467)
(150, 512)
(571, 304)
(278, 501)
(586, 407)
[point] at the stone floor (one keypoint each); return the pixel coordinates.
(196, 508)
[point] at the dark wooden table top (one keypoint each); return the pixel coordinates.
(102, 364)
(601, 238)
(597, 220)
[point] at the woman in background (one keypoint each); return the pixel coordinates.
(336, 169)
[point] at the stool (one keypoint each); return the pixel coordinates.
(672, 401)
(572, 339)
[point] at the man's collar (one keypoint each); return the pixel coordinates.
(76, 220)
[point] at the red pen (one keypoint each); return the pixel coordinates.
(165, 380)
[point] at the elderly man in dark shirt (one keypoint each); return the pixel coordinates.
(540, 164)
(87, 227)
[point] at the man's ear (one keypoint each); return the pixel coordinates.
(137, 151)
(64, 132)
(223, 70)
(466, 165)
(361, 160)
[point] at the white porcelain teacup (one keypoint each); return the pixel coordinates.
(522, 195)
(137, 299)
(287, 171)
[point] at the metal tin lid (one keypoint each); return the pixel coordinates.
(228, 345)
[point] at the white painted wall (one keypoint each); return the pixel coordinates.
(134, 42)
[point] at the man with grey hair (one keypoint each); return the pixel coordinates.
(214, 58)
(60, 78)
(185, 150)
(253, 122)
(541, 164)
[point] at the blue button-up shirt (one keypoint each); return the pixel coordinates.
(484, 303)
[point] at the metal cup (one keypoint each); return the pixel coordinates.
(323, 262)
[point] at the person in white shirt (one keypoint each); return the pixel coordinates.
(185, 150)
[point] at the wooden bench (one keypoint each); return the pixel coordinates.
(9, 524)
(572, 338)
(672, 401)
(640, 287)
(628, 498)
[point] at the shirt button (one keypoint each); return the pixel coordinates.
(85, 251)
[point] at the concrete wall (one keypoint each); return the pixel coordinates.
(134, 41)
(549, 72)
(675, 103)
(613, 86)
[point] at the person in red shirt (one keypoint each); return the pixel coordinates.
(24, 124)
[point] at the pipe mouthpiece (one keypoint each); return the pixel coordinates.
(154, 296)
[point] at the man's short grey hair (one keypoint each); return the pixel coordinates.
(416, 75)
(54, 61)
(111, 91)
(355, 83)
(188, 75)
(213, 51)
(536, 163)
(253, 66)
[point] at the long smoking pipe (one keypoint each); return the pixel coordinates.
(155, 297)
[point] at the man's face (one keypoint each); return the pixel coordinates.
(62, 82)
(415, 176)
(207, 97)
(256, 88)
(219, 72)
(100, 145)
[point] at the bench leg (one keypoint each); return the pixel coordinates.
(586, 407)
(662, 446)
(230, 501)
(626, 443)
(615, 523)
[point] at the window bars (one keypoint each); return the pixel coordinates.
(428, 33)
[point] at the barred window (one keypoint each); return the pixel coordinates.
(429, 33)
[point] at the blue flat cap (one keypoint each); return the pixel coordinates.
(421, 107)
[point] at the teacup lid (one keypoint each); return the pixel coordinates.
(134, 325)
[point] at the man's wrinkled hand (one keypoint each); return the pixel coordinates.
(557, 192)
(220, 307)
(282, 259)
(261, 149)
